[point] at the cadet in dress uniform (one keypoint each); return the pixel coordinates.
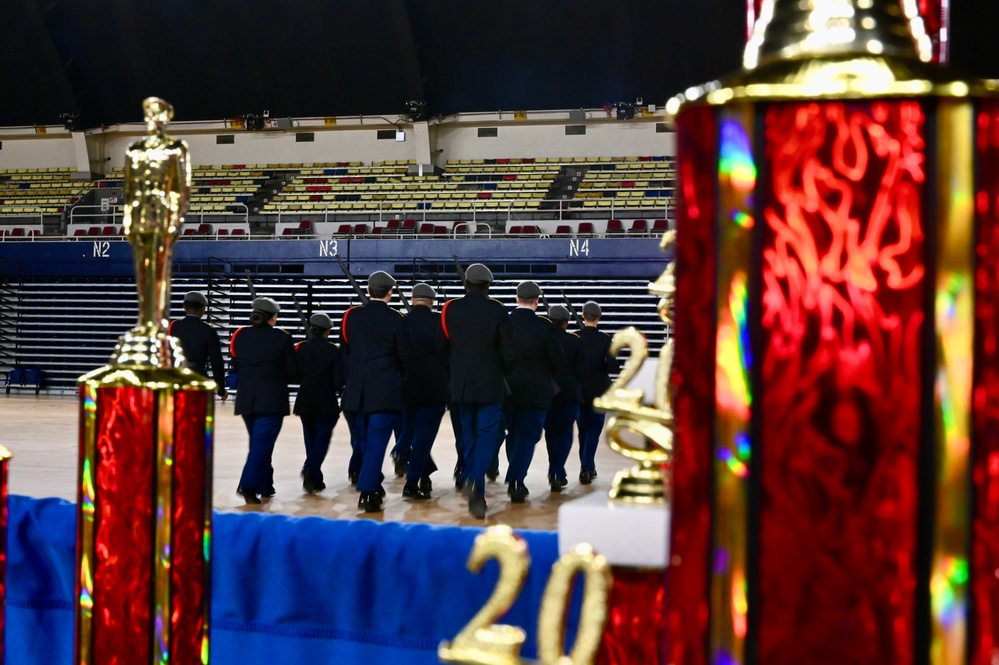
(200, 341)
(321, 375)
(264, 356)
(599, 365)
(475, 333)
(378, 346)
(565, 405)
(425, 392)
(538, 357)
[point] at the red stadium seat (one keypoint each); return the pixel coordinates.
(238, 232)
(639, 227)
(222, 232)
(94, 231)
(585, 228)
(660, 226)
(360, 229)
(426, 228)
(614, 226)
(563, 230)
(515, 230)
(108, 231)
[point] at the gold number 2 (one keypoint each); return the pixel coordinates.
(483, 642)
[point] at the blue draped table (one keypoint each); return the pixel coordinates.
(284, 589)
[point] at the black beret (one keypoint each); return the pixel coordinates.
(424, 291)
(528, 291)
(196, 297)
(266, 305)
(321, 321)
(558, 313)
(478, 274)
(380, 280)
(591, 308)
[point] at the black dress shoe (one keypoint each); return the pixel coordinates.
(492, 474)
(381, 491)
(426, 485)
(268, 493)
(586, 477)
(477, 504)
(555, 484)
(370, 502)
(352, 476)
(248, 496)
(307, 483)
(400, 465)
(518, 492)
(561, 481)
(412, 491)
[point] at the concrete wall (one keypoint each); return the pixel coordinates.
(539, 134)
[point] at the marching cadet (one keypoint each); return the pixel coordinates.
(264, 356)
(599, 365)
(565, 404)
(321, 373)
(378, 345)
(475, 333)
(200, 341)
(537, 357)
(425, 392)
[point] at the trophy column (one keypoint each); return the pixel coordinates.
(4, 462)
(144, 492)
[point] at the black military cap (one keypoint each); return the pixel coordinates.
(321, 321)
(558, 313)
(424, 291)
(196, 297)
(528, 290)
(380, 280)
(478, 274)
(266, 305)
(591, 308)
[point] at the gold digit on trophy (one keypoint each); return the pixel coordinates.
(637, 431)
(482, 640)
(554, 605)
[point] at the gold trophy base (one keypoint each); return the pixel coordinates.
(643, 483)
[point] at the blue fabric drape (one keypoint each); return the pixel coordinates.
(284, 589)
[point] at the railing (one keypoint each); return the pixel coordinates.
(40, 213)
(479, 207)
(201, 214)
(75, 216)
(471, 229)
(117, 216)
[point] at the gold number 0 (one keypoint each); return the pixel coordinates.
(555, 604)
(483, 642)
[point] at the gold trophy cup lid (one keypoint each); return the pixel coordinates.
(842, 49)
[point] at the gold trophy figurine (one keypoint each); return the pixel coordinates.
(157, 189)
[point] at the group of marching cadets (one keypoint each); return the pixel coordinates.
(510, 376)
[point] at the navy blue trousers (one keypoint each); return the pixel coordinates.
(591, 423)
(374, 430)
(558, 437)
(317, 433)
(402, 446)
(481, 435)
(258, 474)
(356, 456)
(422, 425)
(524, 433)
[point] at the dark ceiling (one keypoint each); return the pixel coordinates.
(214, 59)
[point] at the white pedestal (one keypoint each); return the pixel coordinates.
(628, 535)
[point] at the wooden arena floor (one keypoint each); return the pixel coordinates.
(41, 432)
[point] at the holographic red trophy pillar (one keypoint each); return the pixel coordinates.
(144, 496)
(4, 463)
(836, 464)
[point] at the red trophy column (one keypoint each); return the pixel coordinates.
(144, 495)
(834, 478)
(4, 463)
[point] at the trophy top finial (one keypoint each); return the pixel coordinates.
(795, 29)
(157, 112)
